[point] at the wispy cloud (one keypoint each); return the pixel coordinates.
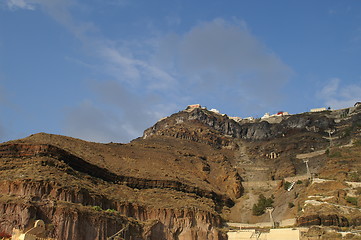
(337, 96)
(135, 71)
(214, 60)
(223, 57)
(20, 4)
(124, 107)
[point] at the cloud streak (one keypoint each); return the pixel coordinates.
(123, 107)
(214, 61)
(220, 56)
(337, 96)
(19, 4)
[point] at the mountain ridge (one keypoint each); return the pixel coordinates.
(186, 176)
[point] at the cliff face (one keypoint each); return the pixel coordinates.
(222, 125)
(71, 222)
(183, 179)
(79, 200)
(325, 220)
(78, 164)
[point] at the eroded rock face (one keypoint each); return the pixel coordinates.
(66, 222)
(325, 220)
(222, 125)
(55, 205)
(69, 210)
(34, 150)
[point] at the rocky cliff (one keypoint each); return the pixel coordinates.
(79, 200)
(185, 177)
(221, 126)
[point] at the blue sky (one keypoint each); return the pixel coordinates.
(105, 70)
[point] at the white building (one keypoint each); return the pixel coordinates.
(266, 115)
(214, 110)
(318, 109)
(236, 119)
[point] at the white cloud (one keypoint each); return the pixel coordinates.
(214, 61)
(220, 56)
(20, 4)
(122, 109)
(119, 62)
(337, 96)
(135, 71)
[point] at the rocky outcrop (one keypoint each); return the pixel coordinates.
(66, 222)
(72, 215)
(78, 164)
(224, 126)
(325, 220)
(75, 212)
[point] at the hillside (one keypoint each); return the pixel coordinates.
(189, 174)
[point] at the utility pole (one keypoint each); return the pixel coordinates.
(270, 210)
(330, 132)
(308, 169)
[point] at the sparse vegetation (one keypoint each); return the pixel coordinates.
(357, 142)
(286, 185)
(332, 235)
(260, 207)
(157, 160)
(111, 211)
(354, 176)
(352, 200)
(348, 132)
(327, 152)
(97, 208)
(334, 154)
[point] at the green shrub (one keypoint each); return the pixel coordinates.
(286, 185)
(97, 208)
(260, 207)
(352, 200)
(111, 210)
(327, 151)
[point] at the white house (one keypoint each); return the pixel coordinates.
(318, 109)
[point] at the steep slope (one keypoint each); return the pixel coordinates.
(178, 184)
(269, 152)
(185, 177)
